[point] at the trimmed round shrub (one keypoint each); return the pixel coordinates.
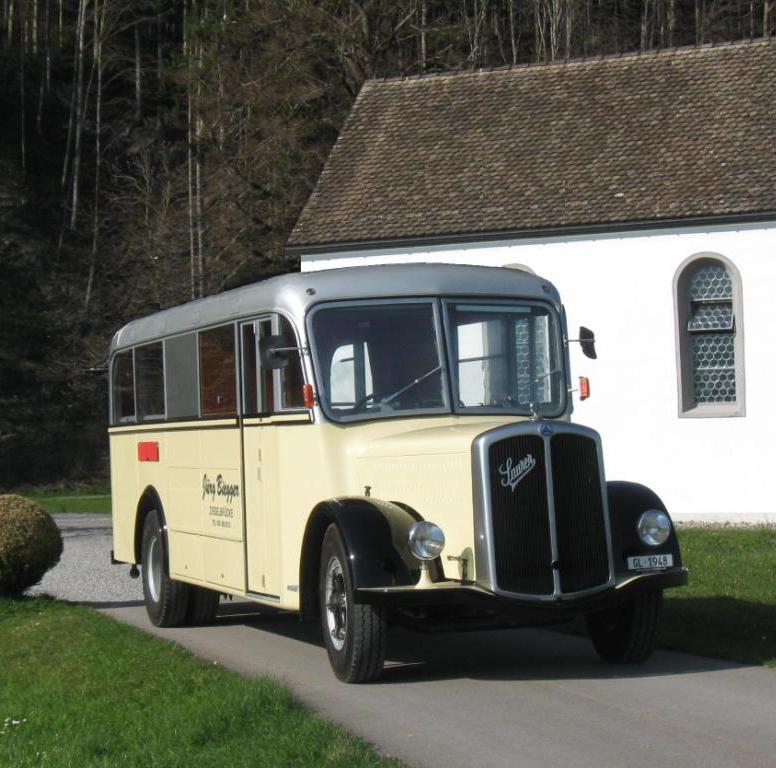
(30, 544)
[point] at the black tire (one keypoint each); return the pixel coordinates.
(166, 600)
(203, 606)
(627, 634)
(354, 634)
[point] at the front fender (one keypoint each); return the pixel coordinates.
(375, 535)
(626, 502)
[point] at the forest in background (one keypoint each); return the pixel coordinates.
(152, 152)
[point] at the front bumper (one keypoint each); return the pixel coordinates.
(460, 595)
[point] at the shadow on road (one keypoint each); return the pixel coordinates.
(111, 603)
(509, 654)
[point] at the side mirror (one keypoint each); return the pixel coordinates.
(587, 342)
(273, 353)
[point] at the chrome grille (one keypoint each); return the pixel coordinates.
(521, 542)
(583, 558)
(540, 511)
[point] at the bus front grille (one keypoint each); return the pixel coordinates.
(520, 516)
(583, 558)
(541, 512)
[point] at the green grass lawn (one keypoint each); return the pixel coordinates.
(728, 610)
(58, 501)
(79, 689)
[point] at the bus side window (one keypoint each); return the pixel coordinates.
(291, 377)
(149, 377)
(258, 395)
(180, 376)
(123, 387)
(217, 375)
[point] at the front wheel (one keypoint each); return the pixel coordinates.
(166, 600)
(354, 634)
(627, 634)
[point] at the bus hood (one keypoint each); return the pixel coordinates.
(428, 469)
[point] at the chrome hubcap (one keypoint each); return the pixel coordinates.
(336, 603)
(154, 569)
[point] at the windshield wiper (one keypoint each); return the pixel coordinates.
(401, 391)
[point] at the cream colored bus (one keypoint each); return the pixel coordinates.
(375, 446)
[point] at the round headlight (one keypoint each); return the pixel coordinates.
(654, 527)
(426, 540)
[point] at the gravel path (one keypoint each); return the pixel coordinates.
(84, 574)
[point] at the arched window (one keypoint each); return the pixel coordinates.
(710, 337)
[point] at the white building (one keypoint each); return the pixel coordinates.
(644, 188)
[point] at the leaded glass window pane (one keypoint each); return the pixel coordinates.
(711, 325)
(712, 317)
(711, 281)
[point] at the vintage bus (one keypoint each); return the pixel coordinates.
(372, 446)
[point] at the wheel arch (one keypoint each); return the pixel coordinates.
(149, 500)
(373, 533)
(627, 501)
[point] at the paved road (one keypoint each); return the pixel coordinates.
(511, 698)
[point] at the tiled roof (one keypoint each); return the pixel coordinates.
(638, 138)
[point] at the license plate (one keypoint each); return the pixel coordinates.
(650, 562)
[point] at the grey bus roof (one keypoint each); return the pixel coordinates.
(295, 293)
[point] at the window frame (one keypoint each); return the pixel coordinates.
(113, 422)
(323, 392)
(154, 418)
(273, 316)
(236, 354)
(194, 334)
(447, 301)
(688, 407)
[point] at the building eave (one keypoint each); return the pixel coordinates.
(468, 238)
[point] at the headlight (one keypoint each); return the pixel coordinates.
(654, 527)
(426, 540)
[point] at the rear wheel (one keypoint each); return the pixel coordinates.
(354, 634)
(166, 600)
(627, 634)
(203, 606)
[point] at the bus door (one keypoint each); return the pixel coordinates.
(273, 402)
(262, 527)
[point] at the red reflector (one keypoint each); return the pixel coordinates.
(584, 387)
(308, 396)
(148, 451)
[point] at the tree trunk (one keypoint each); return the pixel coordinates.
(45, 79)
(512, 35)
(99, 28)
(198, 125)
(423, 10)
(22, 99)
(79, 111)
(34, 27)
(540, 44)
(71, 118)
(138, 81)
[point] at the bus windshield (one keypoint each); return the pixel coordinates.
(505, 357)
(379, 359)
(387, 359)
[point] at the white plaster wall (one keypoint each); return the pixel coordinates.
(622, 287)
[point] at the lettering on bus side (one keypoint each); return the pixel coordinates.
(222, 496)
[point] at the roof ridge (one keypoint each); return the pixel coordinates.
(578, 61)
